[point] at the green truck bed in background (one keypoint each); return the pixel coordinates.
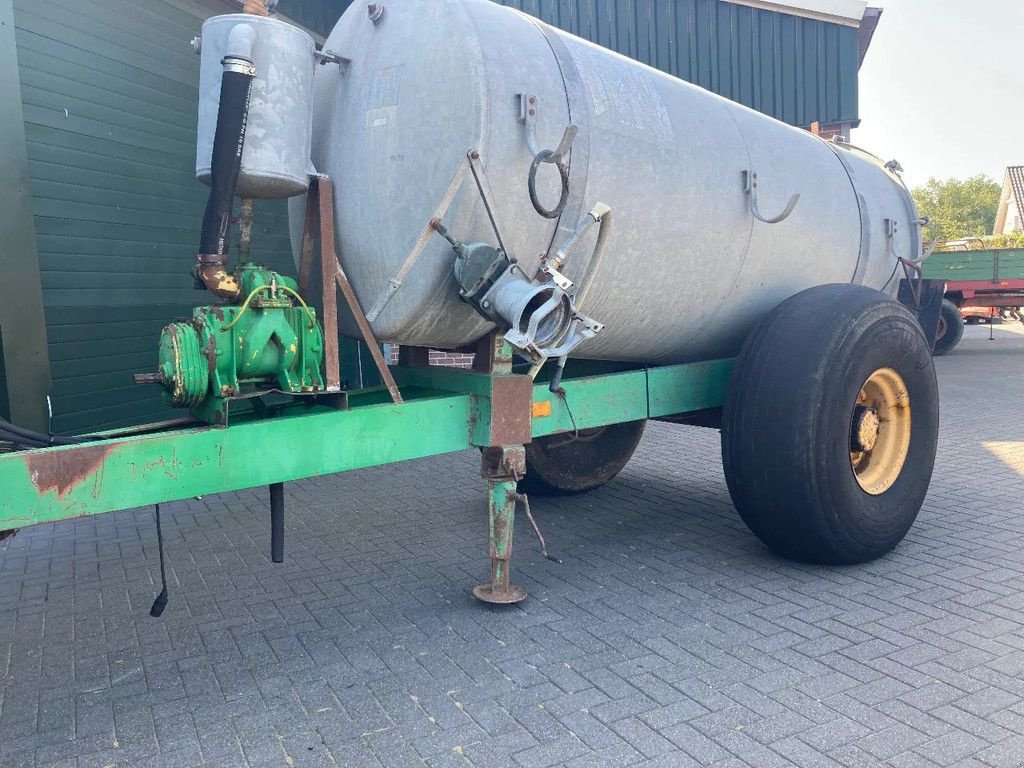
(993, 266)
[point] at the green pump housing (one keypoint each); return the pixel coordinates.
(270, 341)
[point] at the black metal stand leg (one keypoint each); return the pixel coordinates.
(277, 522)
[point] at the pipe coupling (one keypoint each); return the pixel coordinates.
(211, 271)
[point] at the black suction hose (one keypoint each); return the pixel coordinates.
(226, 162)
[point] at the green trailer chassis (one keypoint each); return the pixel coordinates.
(445, 410)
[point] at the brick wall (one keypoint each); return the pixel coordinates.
(452, 359)
(437, 357)
(829, 132)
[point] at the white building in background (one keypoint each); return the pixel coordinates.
(1010, 218)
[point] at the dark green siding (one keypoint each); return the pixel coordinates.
(109, 89)
(317, 15)
(797, 70)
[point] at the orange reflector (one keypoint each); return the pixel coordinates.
(543, 408)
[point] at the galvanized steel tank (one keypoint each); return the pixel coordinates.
(688, 270)
(275, 156)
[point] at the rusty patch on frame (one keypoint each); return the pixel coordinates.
(511, 406)
(64, 470)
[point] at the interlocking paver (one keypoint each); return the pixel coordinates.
(669, 637)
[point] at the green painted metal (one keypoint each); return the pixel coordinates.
(995, 264)
(443, 413)
(60, 483)
(24, 362)
(702, 388)
(264, 342)
(594, 401)
(501, 517)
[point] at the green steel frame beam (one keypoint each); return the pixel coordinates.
(446, 410)
(25, 356)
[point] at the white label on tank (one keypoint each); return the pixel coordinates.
(383, 97)
(625, 100)
(378, 118)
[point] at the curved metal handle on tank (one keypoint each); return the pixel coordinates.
(750, 188)
(556, 157)
(528, 116)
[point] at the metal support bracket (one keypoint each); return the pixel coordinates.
(320, 204)
(750, 188)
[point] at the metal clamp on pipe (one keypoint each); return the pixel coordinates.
(539, 316)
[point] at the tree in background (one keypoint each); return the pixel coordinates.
(958, 208)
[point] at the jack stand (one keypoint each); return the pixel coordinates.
(501, 466)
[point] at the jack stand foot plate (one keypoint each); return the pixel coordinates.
(484, 593)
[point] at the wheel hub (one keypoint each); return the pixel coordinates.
(866, 425)
(880, 431)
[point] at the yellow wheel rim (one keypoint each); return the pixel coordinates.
(880, 431)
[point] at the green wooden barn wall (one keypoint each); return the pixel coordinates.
(795, 69)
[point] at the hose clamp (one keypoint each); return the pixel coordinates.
(239, 65)
(210, 259)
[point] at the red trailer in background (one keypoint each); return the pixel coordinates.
(981, 285)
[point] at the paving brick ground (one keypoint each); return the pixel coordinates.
(669, 637)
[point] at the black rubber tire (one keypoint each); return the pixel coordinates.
(951, 328)
(559, 464)
(787, 420)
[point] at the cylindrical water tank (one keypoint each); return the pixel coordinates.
(688, 270)
(275, 156)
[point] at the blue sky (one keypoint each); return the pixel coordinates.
(942, 88)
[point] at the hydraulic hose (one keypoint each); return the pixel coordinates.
(225, 164)
(26, 438)
(603, 215)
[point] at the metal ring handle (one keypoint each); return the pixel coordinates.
(547, 156)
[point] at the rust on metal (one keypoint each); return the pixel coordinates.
(503, 462)
(511, 407)
(328, 258)
(245, 231)
(64, 470)
(211, 271)
(330, 263)
(306, 255)
(255, 7)
(493, 355)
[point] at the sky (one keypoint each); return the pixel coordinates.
(942, 88)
